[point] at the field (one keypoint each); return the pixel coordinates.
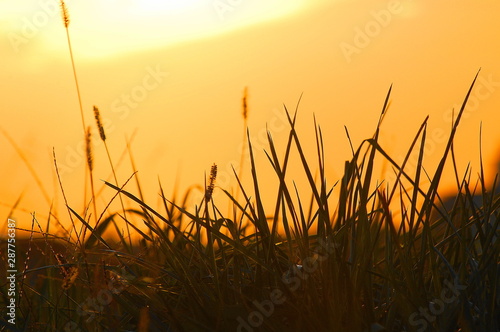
(382, 255)
(344, 265)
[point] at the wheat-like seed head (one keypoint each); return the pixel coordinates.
(245, 106)
(211, 184)
(88, 149)
(98, 121)
(65, 14)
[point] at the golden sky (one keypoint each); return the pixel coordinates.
(171, 75)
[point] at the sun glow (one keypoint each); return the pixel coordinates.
(138, 24)
(149, 7)
(102, 29)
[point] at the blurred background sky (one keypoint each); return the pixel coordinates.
(168, 76)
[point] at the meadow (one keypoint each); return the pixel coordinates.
(382, 255)
(349, 264)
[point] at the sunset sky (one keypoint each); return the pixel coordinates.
(170, 75)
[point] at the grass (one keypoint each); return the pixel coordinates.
(340, 264)
(343, 262)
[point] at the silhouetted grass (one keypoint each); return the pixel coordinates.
(340, 264)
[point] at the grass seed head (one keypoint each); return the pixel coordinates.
(98, 121)
(65, 14)
(88, 149)
(69, 273)
(210, 188)
(245, 105)
(70, 277)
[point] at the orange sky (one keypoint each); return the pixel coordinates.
(175, 76)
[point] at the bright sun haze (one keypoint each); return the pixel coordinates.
(168, 77)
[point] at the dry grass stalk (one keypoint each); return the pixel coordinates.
(65, 17)
(102, 134)
(90, 163)
(244, 139)
(98, 121)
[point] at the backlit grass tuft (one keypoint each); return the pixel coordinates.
(314, 261)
